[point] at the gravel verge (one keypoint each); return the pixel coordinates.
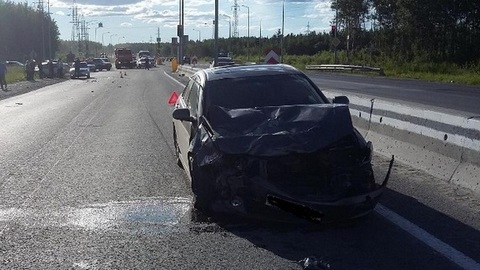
(22, 87)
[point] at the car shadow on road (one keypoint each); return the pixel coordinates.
(371, 242)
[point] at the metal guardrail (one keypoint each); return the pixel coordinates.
(345, 68)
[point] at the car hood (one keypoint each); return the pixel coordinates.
(281, 130)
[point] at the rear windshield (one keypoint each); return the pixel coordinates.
(262, 91)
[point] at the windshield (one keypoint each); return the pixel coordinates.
(261, 91)
(141, 54)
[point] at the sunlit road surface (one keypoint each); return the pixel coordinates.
(88, 180)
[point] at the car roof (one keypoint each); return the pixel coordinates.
(238, 71)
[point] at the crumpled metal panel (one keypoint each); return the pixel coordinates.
(270, 131)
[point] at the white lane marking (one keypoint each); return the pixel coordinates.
(449, 252)
(174, 79)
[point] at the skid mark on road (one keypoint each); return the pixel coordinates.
(449, 252)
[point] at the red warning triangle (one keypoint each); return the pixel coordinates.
(173, 98)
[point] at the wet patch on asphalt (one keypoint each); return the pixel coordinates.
(146, 215)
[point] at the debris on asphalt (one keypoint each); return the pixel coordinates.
(312, 263)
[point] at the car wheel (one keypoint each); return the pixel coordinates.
(88, 76)
(108, 69)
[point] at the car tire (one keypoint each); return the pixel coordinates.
(88, 76)
(108, 69)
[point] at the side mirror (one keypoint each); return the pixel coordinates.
(341, 100)
(182, 114)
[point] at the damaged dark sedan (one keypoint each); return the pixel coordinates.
(263, 140)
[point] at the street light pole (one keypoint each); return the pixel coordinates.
(103, 43)
(229, 25)
(248, 31)
(199, 34)
(216, 33)
(111, 38)
(100, 25)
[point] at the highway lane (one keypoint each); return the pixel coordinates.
(445, 97)
(88, 180)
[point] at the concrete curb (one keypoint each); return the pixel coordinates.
(443, 145)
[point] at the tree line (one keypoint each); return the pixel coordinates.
(26, 33)
(404, 30)
(428, 31)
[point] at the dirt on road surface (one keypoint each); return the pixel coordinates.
(22, 87)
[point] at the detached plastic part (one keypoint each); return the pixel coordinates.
(311, 263)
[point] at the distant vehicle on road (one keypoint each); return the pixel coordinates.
(91, 65)
(222, 61)
(107, 63)
(84, 71)
(123, 58)
(100, 64)
(186, 60)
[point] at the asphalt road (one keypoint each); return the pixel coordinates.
(88, 180)
(445, 97)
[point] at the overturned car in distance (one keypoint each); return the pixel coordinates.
(264, 141)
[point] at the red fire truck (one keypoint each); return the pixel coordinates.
(123, 58)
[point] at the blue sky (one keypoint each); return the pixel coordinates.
(140, 20)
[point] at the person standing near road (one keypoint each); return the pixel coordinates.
(3, 72)
(31, 69)
(40, 69)
(60, 68)
(77, 67)
(147, 63)
(50, 69)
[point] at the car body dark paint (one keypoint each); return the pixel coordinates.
(304, 158)
(222, 61)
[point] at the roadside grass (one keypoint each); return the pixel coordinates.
(420, 69)
(15, 74)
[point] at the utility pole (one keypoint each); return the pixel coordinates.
(180, 31)
(283, 30)
(248, 31)
(235, 19)
(335, 33)
(158, 41)
(216, 32)
(40, 9)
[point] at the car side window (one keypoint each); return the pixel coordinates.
(186, 91)
(193, 99)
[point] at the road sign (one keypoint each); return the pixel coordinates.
(272, 57)
(335, 42)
